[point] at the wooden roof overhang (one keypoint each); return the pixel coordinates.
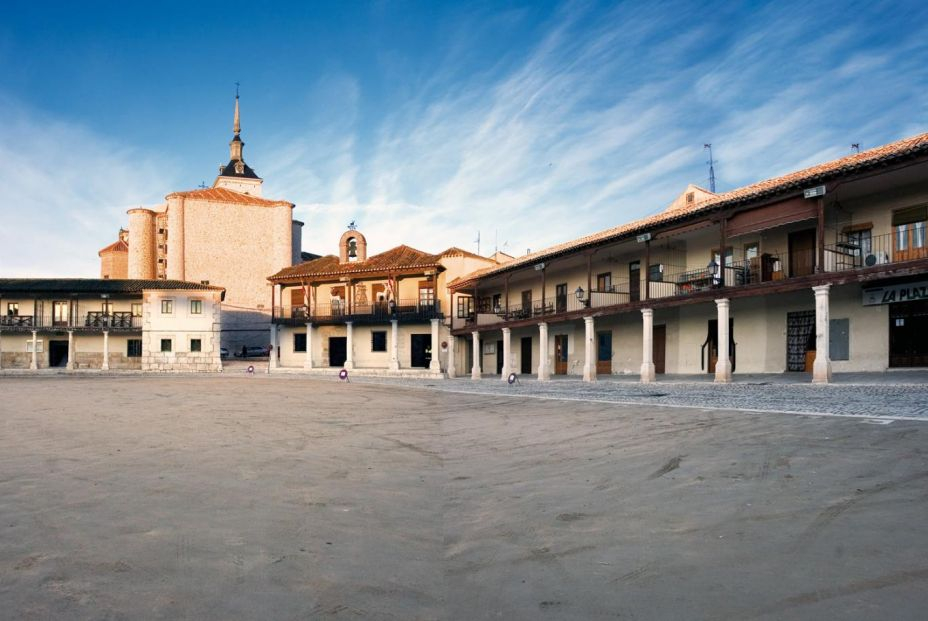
(356, 275)
(877, 275)
(669, 224)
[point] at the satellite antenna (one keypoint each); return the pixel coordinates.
(711, 163)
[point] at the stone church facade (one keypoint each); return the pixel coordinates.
(227, 235)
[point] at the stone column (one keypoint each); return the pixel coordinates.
(723, 363)
(589, 362)
(452, 363)
(647, 346)
(349, 345)
(544, 373)
(435, 364)
(34, 364)
(71, 353)
(394, 345)
(106, 351)
(821, 368)
(272, 355)
(475, 367)
(507, 354)
(308, 363)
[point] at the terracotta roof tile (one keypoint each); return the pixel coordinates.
(399, 258)
(97, 285)
(117, 246)
(223, 195)
(915, 145)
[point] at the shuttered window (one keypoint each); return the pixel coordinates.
(839, 339)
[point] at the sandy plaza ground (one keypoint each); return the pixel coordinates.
(237, 497)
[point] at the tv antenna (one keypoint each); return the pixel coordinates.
(202, 185)
(856, 147)
(477, 241)
(708, 146)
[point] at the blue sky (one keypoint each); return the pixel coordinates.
(426, 121)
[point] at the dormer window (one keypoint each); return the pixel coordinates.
(690, 198)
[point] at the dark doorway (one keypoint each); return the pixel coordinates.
(499, 357)
(604, 353)
(800, 340)
(908, 334)
(711, 345)
(57, 353)
(525, 358)
(421, 350)
(659, 349)
(802, 253)
(560, 354)
(634, 281)
(338, 351)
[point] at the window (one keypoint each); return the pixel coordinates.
(465, 307)
(690, 198)
(426, 292)
(863, 240)
(12, 309)
(656, 272)
(134, 348)
(196, 307)
(379, 340)
(204, 282)
(751, 251)
(196, 345)
(165, 345)
(909, 232)
(604, 281)
(60, 313)
(167, 307)
(560, 297)
(107, 308)
(497, 301)
(136, 309)
(299, 342)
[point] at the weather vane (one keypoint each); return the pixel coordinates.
(236, 90)
(352, 226)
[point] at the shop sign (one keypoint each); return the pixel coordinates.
(906, 292)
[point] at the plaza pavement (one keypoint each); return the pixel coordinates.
(286, 497)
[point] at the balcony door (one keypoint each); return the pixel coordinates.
(801, 253)
(634, 281)
(60, 313)
(560, 298)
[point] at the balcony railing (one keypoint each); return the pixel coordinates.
(93, 320)
(675, 281)
(378, 312)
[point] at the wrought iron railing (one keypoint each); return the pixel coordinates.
(97, 320)
(377, 312)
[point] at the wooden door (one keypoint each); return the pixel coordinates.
(560, 354)
(909, 241)
(526, 304)
(634, 281)
(659, 353)
(499, 357)
(420, 350)
(604, 352)
(712, 340)
(525, 358)
(908, 334)
(801, 253)
(60, 313)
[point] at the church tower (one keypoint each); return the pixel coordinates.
(237, 175)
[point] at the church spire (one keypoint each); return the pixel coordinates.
(236, 123)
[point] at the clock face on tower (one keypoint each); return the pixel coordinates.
(240, 167)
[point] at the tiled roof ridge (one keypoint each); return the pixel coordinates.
(228, 196)
(118, 246)
(124, 284)
(330, 265)
(785, 182)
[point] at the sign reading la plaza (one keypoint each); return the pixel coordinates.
(905, 292)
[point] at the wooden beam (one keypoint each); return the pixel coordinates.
(647, 270)
(820, 229)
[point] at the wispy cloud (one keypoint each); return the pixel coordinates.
(596, 118)
(65, 192)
